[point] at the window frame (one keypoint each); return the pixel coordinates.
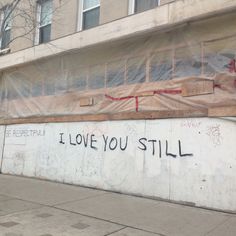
(132, 6)
(38, 18)
(81, 14)
(3, 12)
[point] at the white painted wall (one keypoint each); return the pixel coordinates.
(207, 178)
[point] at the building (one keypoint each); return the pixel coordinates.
(132, 96)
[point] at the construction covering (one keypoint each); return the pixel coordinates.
(187, 68)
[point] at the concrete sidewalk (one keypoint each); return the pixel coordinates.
(30, 207)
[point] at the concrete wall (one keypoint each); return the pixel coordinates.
(163, 2)
(23, 26)
(64, 18)
(112, 9)
(64, 22)
(185, 160)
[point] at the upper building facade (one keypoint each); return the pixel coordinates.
(46, 20)
(65, 24)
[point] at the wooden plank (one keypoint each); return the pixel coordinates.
(197, 88)
(143, 94)
(222, 111)
(85, 102)
(108, 117)
(147, 115)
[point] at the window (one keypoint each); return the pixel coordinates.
(136, 70)
(45, 21)
(161, 66)
(136, 6)
(18, 86)
(115, 73)
(96, 77)
(188, 61)
(219, 57)
(77, 79)
(90, 13)
(5, 25)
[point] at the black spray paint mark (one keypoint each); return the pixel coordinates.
(126, 144)
(185, 154)
(85, 140)
(153, 141)
(160, 148)
(167, 151)
(61, 139)
(113, 143)
(79, 139)
(93, 140)
(71, 143)
(105, 138)
(143, 147)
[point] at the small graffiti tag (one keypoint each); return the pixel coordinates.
(215, 134)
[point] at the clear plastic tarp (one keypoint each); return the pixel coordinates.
(144, 73)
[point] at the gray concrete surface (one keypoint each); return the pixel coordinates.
(30, 207)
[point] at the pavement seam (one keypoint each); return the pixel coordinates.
(116, 231)
(21, 211)
(217, 226)
(45, 204)
(77, 200)
(51, 182)
(109, 221)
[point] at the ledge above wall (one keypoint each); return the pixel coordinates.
(162, 17)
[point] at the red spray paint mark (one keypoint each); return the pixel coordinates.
(136, 104)
(160, 91)
(217, 86)
(118, 99)
(232, 66)
(125, 98)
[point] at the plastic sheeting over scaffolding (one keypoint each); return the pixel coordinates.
(192, 67)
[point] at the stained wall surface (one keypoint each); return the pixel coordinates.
(184, 160)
